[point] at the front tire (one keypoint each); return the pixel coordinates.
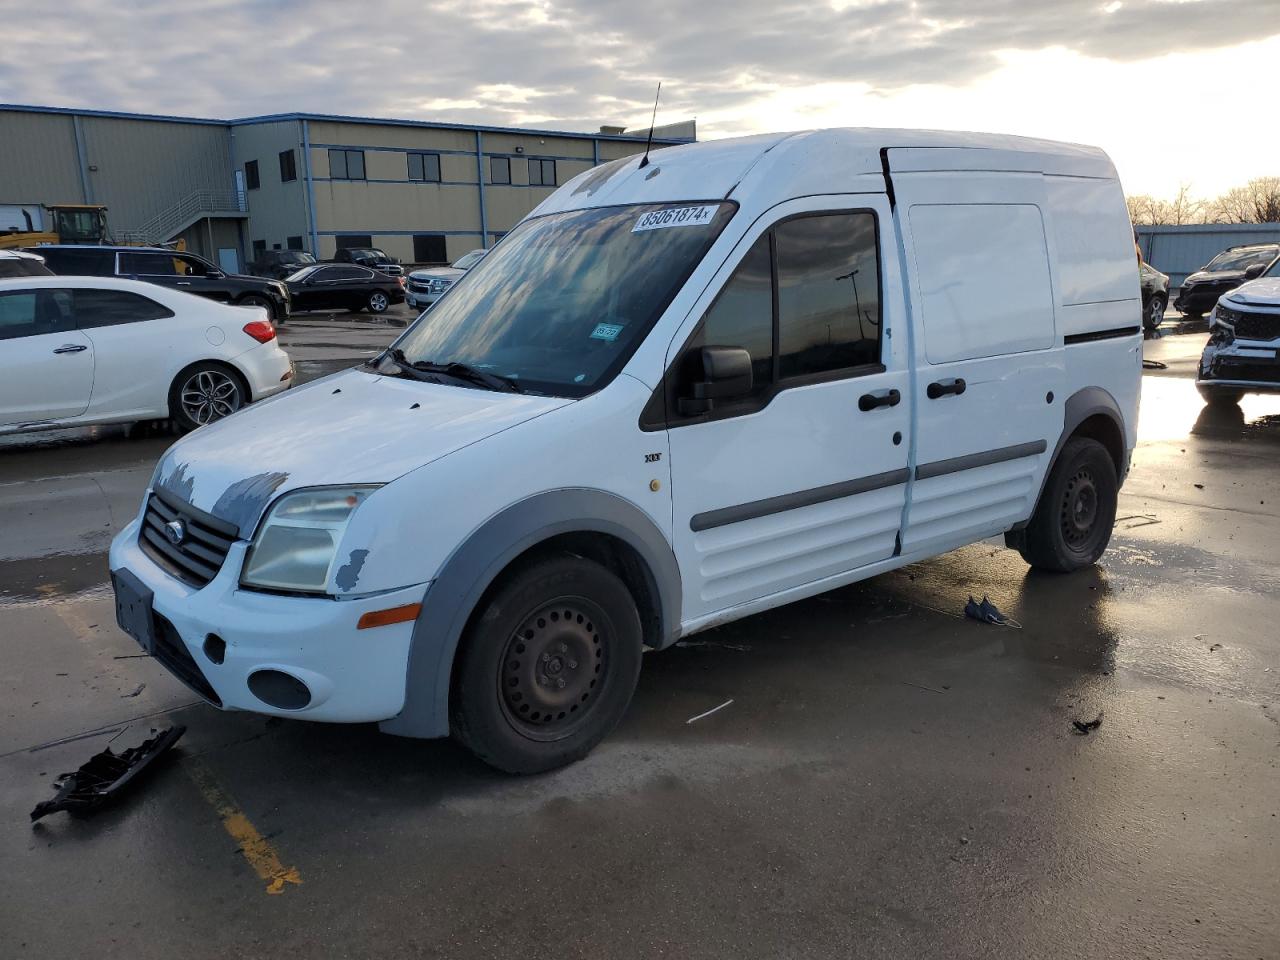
(254, 300)
(1189, 314)
(547, 666)
(205, 393)
(1154, 314)
(378, 302)
(1220, 396)
(1072, 523)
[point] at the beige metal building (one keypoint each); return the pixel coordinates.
(424, 192)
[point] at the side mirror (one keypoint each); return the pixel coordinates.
(1254, 270)
(725, 374)
(215, 275)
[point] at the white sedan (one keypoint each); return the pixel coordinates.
(81, 350)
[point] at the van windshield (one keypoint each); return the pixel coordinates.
(564, 300)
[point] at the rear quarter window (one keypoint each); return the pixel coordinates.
(80, 263)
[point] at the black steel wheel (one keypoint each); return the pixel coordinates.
(547, 667)
(1072, 523)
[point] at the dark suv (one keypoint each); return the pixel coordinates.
(280, 264)
(370, 257)
(1232, 267)
(169, 268)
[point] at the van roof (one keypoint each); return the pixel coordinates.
(838, 160)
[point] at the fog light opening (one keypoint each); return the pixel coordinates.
(215, 648)
(279, 690)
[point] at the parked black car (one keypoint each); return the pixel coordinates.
(341, 286)
(1155, 295)
(169, 268)
(1232, 267)
(279, 264)
(370, 257)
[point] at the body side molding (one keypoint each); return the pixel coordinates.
(477, 562)
(969, 461)
(710, 519)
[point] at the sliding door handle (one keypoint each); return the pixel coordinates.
(940, 389)
(870, 401)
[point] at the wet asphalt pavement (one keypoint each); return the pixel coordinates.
(889, 780)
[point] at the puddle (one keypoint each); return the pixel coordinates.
(1172, 409)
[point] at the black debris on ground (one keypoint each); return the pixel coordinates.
(105, 776)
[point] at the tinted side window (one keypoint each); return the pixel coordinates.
(80, 263)
(31, 313)
(149, 264)
(828, 293)
(107, 308)
(741, 316)
(191, 266)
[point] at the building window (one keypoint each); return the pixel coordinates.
(354, 240)
(251, 175)
(293, 243)
(259, 247)
(346, 164)
(499, 169)
(429, 248)
(424, 167)
(288, 166)
(542, 173)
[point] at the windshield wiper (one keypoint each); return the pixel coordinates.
(464, 371)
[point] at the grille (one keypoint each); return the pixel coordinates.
(198, 558)
(1257, 326)
(173, 653)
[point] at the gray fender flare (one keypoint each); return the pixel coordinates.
(478, 561)
(1080, 406)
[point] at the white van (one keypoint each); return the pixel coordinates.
(681, 391)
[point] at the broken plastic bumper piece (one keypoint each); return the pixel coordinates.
(105, 776)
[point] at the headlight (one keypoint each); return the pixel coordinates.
(298, 542)
(1223, 316)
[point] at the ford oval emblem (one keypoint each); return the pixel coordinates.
(175, 531)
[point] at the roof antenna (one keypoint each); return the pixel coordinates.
(644, 161)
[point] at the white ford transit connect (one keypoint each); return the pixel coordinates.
(681, 391)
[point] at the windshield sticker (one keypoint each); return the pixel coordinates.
(698, 216)
(606, 331)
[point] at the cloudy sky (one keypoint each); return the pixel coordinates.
(1178, 91)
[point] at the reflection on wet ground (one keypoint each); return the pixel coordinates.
(890, 778)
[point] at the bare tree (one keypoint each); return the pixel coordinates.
(1183, 208)
(1258, 201)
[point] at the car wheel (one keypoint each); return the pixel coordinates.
(547, 667)
(1220, 396)
(1071, 526)
(1154, 315)
(1189, 314)
(255, 300)
(378, 302)
(204, 394)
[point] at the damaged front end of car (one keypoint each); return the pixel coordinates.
(1243, 352)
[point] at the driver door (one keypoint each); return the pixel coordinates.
(802, 479)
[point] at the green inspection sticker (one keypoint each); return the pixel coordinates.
(606, 331)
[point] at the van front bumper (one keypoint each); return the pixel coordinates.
(350, 675)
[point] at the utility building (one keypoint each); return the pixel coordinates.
(426, 193)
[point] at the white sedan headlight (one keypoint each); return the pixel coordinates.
(297, 544)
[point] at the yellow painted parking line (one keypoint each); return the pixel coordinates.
(257, 850)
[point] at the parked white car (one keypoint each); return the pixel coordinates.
(662, 403)
(82, 350)
(429, 284)
(1244, 333)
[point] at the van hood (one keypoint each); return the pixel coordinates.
(351, 428)
(1264, 292)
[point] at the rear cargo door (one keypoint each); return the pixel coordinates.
(986, 348)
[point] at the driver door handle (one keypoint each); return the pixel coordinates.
(870, 401)
(183, 283)
(71, 348)
(939, 389)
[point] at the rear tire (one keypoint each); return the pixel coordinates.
(378, 302)
(1071, 526)
(205, 393)
(547, 666)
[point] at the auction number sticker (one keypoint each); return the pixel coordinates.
(698, 216)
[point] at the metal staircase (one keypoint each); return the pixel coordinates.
(167, 224)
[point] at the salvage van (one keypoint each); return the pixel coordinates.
(687, 388)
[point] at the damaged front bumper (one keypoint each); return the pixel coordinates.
(239, 649)
(1240, 365)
